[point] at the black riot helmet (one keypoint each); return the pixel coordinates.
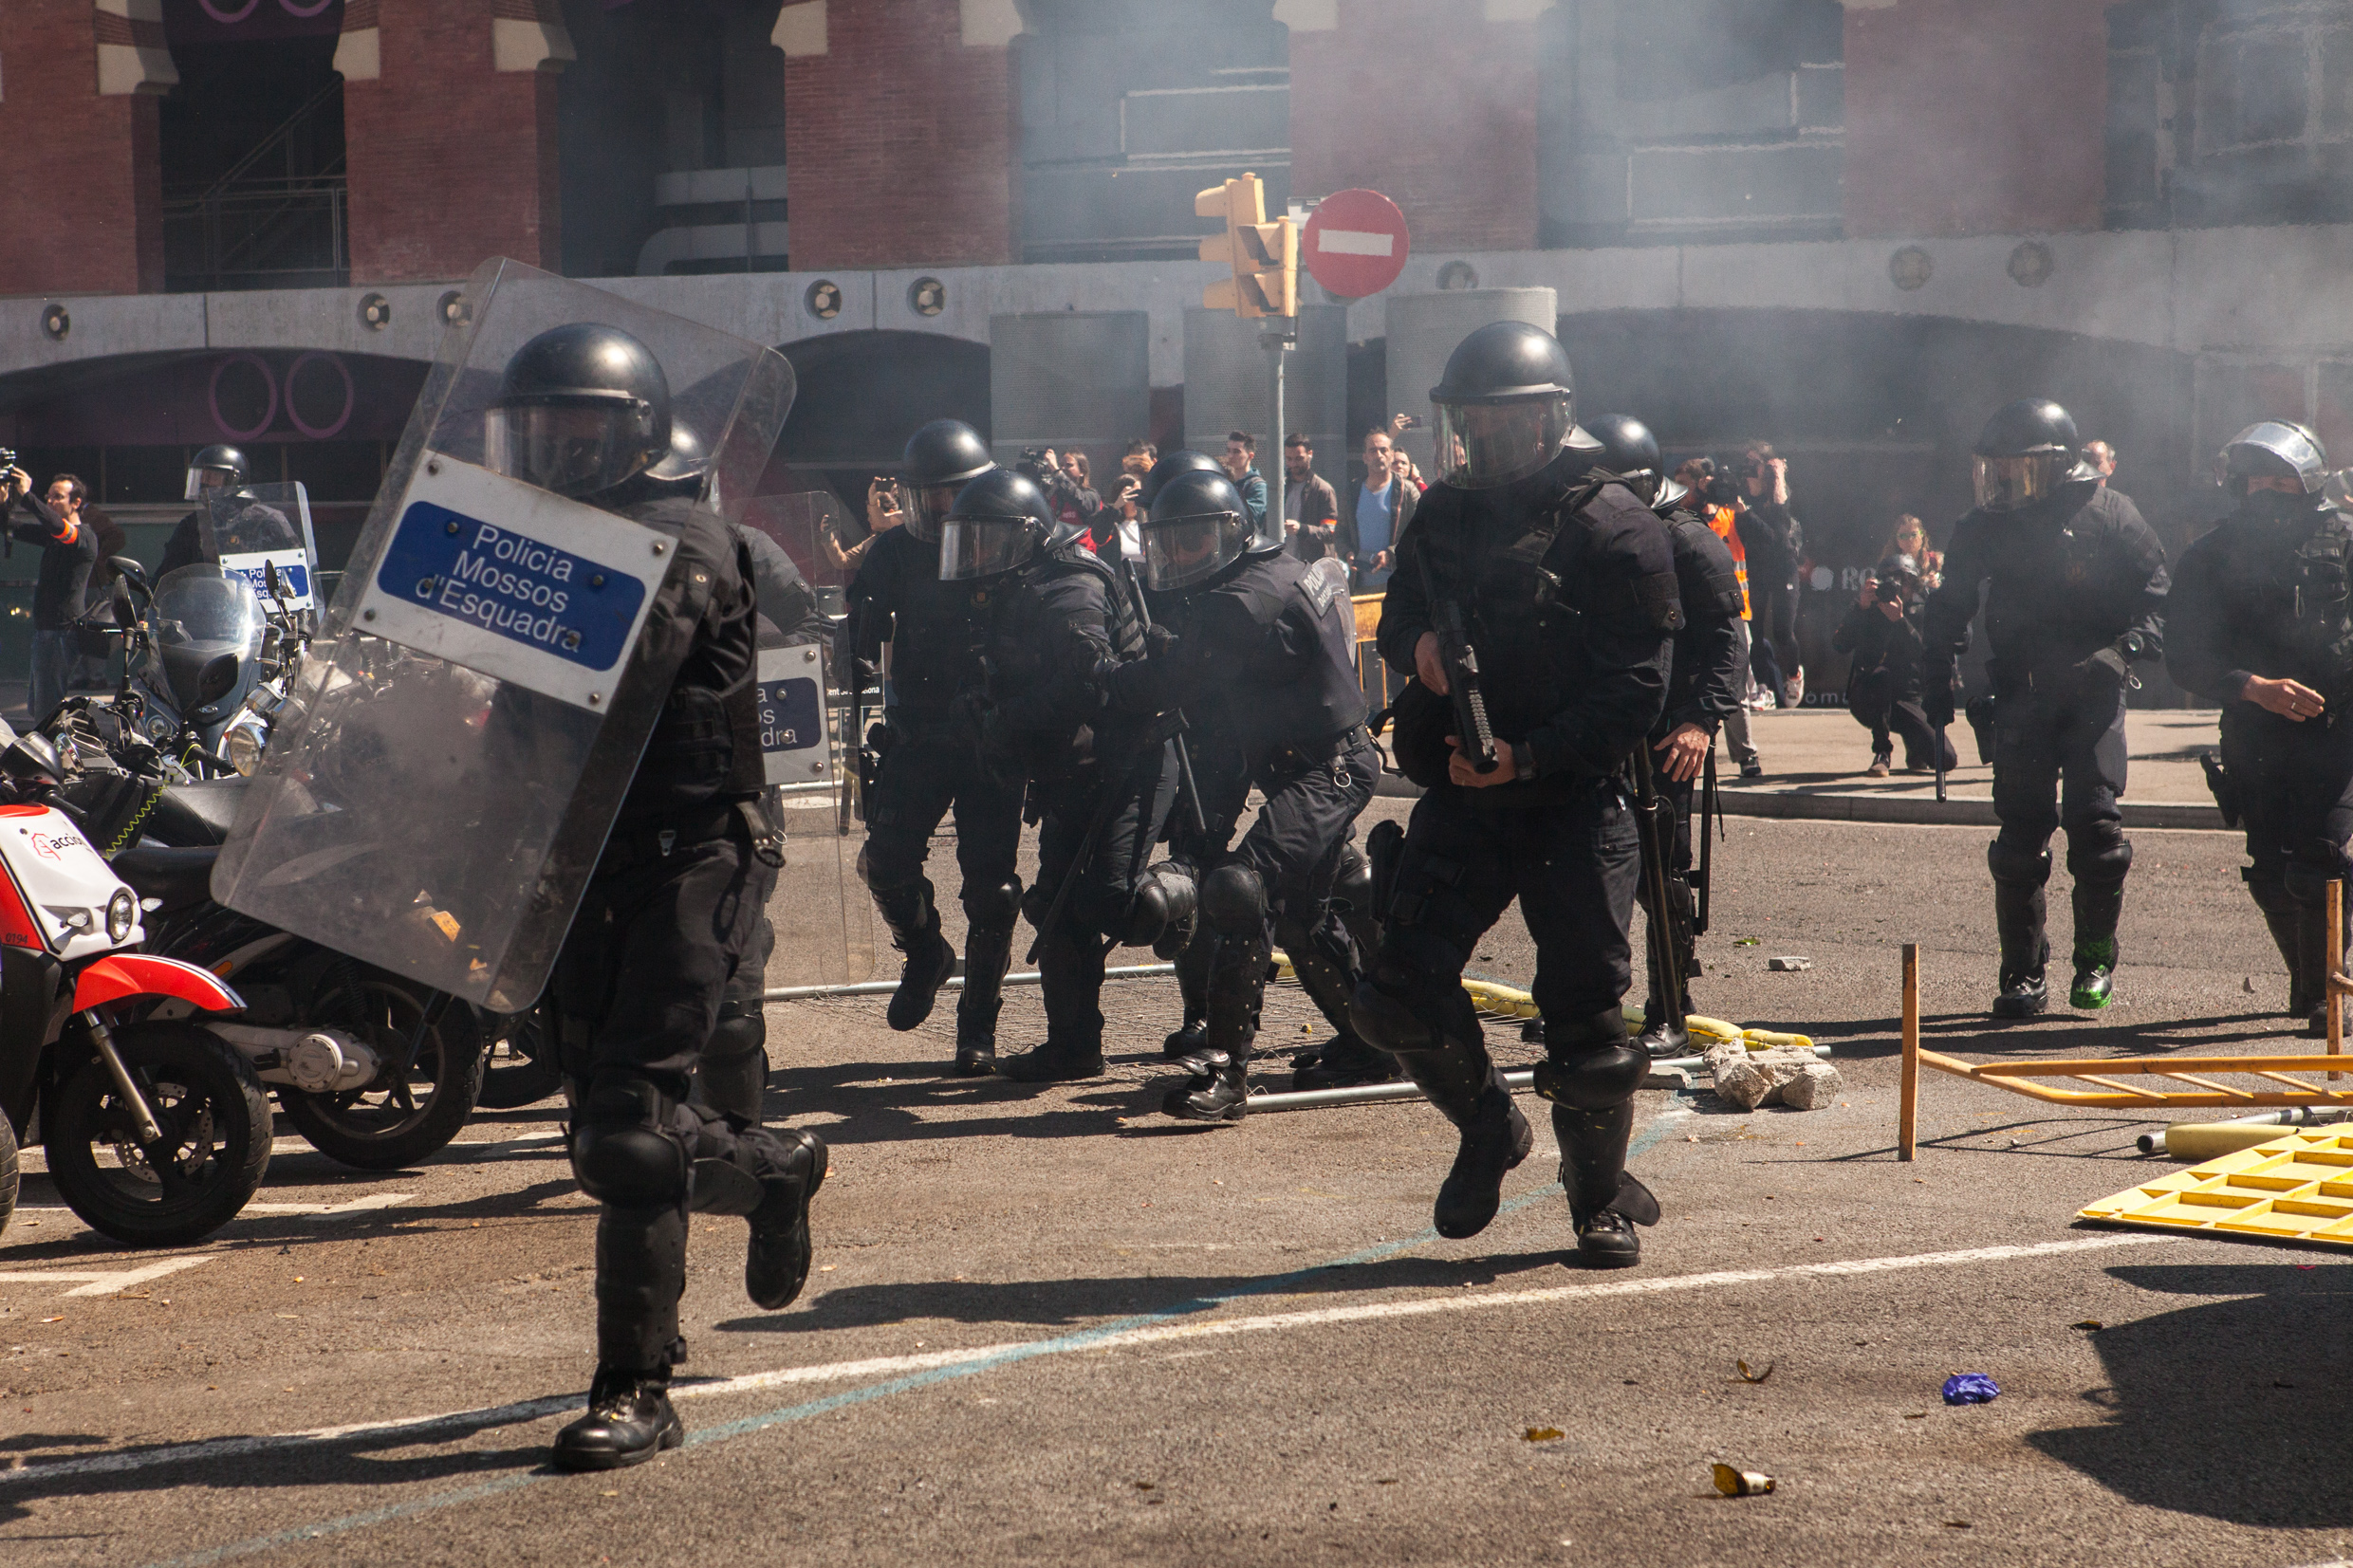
(1506, 406)
(2273, 449)
(941, 459)
(1197, 528)
(1630, 451)
(227, 462)
(997, 524)
(1187, 461)
(582, 409)
(685, 469)
(2028, 449)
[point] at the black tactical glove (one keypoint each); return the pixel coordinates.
(1936, 701)
(2106, 667)
(1158, 641)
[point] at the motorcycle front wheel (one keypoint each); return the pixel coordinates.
(214, 1116)
(521, 1065)
(400, 1117)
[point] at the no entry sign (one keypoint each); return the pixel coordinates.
(1355, 243)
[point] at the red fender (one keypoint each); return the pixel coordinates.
(121, 975)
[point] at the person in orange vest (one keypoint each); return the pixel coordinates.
(1697, 475)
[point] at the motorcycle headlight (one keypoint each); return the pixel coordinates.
(122, 915)
(243, 745)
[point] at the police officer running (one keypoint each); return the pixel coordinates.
(931, 757)
(670, 912)
(2259, 621)
(1101, 782)
(1562, 584)
(1703, 690)
(1256, 650)
(2074, 585)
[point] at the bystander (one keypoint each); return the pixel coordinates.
(1241, 451)
(1384, 504)
(1775, 540)
(1883, 684)
(1309, 507)
(68, 550)
(1697, 475)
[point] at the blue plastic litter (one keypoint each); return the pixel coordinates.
(1970, 1387)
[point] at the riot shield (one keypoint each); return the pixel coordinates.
(248, 528)
(441, 782)
(822, 917)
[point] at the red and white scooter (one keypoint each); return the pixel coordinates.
(156, 1132)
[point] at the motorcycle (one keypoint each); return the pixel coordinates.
(157, 1130)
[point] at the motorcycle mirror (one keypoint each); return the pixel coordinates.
(31, 757)
(125, 611)
(216, 679)
(129, 570)
(271, 579)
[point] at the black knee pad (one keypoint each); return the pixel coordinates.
(1388, 1021)
(1384, 841)
(1234, 900)
(994, 906)
(2099, 852)
(1352, 883)
(1596, 1078)
(1165, 909)
(626, 1148)
(2009, 862)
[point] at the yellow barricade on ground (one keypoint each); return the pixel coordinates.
(2298, 1188)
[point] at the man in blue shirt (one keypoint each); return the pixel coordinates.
(1241, 451)
(1384, 505)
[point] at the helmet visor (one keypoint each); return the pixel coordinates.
(2006, 483)
(1483, 445)
(1181, 551)
(983, 546)
(571, 448)
(927, 511)
(200, 480)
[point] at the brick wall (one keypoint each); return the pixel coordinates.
(81, 187)
(900, 139)
(452, 160)
(1975, 116)
(1428, 104)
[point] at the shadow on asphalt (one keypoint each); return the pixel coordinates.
(1073, 1303)
(2228, 1409)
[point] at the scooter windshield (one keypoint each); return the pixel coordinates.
(200, 612)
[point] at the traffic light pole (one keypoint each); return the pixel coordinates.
(1280, 334)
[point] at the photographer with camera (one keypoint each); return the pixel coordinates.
(1710, 499)
(1883, 686)
(68, 550)
(1064, 478)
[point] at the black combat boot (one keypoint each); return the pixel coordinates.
(629, 1421)
(1070, 967)
(913, 924)
(1193, 986)
(2098, 906)
(1219, 1088)
(2315, 963)
(2018, 919)
(2280, 920)
(1343, 1061)
(776, 1265)
(1496, 1138)
(1664, 1036)
(1605, 1201)
(988, 953)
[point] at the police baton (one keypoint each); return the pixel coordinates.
(1708, 811)
(1656, 841)
(1941, 743)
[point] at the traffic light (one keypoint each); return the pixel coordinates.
(1265, 256)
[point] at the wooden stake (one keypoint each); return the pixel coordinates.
(2335, 1005)
(1908, 1080)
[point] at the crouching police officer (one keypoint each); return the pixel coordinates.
(930, 756)
(670, 912)
(1703, 688)
(2076, 595)
(1562, 584)
(2259, 620)
(1102, 780)
(1256, 648)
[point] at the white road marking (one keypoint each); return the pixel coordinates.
(1354, 242)
(330, 1211)
(98, 1283)
(886, 1365)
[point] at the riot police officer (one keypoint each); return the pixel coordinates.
(1562, 584)
(2259, 621)
(1101, 782)
(931, 753)
(1703, 688)
(670, 912)
(1256, 650)
(2074, 585)
(211, 469)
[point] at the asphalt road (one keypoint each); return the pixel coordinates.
(1054, 1327)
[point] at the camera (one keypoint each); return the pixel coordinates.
(1031, 465)
(7, 459)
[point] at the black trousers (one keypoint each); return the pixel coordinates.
(1774, 657)
(1884, 700)
(931, 767)
(1683, 905)
(1071, 954)
(1573, 864)
(658, 941)
(2059, 762)
(2295, 793)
